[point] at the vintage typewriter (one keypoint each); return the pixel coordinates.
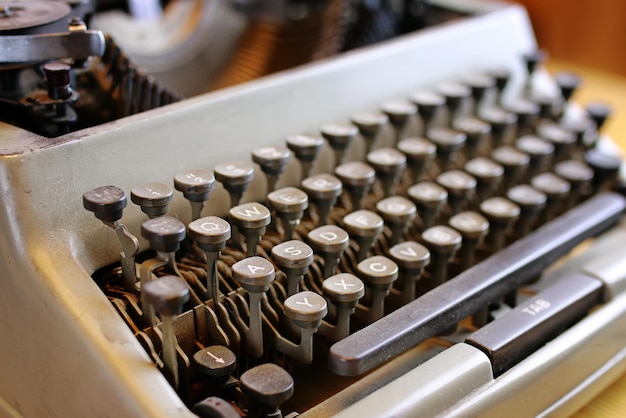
(426, 226)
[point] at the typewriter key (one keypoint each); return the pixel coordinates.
(501, 77)
(167, 295)
(605, 169)
(455, 95)
(533, 60)
(501, 214)
(344, 291)
(398, 213)
(254, 274)
(357, 179)
(378, 273)
(479, 85)
(579, 175)
(339, 137)
(306, 309)
(389, 164)
(399, 113)
(196, 186)
(599, 113)
(211, 234)
(294, 258)
(411, 259)
(488, 175)
(329, 241)
(273, 161)
(306, 148)
(251, 219)
(268, 385)
(107, 203)
(515, 163)
(562, 139)
(501, 123)
(448, 143)
(289, 204)
(568, 83)
(556, 190)
(460, 187)
(323, 191)
(429, 198)
(527, 113)
(475, 131)
(216, 361)
(538, 150)
(165, 233)
(153, 198)
(419, 152)
(531, 202)
(473, 227)
(369, 124)
(428, 105)
(235, 177)
(443, 242)
(364, 228)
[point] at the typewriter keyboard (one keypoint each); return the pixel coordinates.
(438, 215)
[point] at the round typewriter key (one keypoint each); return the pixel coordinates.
(479, 84)
(167, 295)
(378, 273)
(216, 361)
(546, 105)
(428, 104)
(211, 232)
(289, 204)
(369, 124)
(357, 178)
(153, 198)
(305, 148)
(599, 113)
(514, 162)
(429, 198)
(343, 288)
(273, 161)
(531, 202)
(561, 138)
(306, 309)
(267, 384)
(399, 113)
(419, 152)
(556, 190)
(538, 150)
(364, 227)
(568, 83)
(475, 131)
(501, 214)
(472, 227)
(294, 258)
(107, 203)
(532, 61)
(339, 136)
(460, 187)
(164, 233)
(605, 169)
(527, 113)
(235, 177)
(578, 174)
(251, 219)
(488, 175)
(330, 241)
(455, 94)
(254, 274)
(195, 185)
(442, 241)
(411, 259)
(397, 212)
(501, 77)
(389, 164)
(323, 191)
(448, 142)
(501, 122)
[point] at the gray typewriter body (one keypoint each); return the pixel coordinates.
(65, 351)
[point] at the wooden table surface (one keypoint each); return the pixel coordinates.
(611, 89)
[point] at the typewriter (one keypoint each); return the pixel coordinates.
(425, 226)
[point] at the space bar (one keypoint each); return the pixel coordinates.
(473, 289)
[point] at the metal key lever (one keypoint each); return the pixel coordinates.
(468, 292)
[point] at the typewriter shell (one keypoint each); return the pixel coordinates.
(64, 350)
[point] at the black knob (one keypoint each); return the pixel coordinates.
(107, 203)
